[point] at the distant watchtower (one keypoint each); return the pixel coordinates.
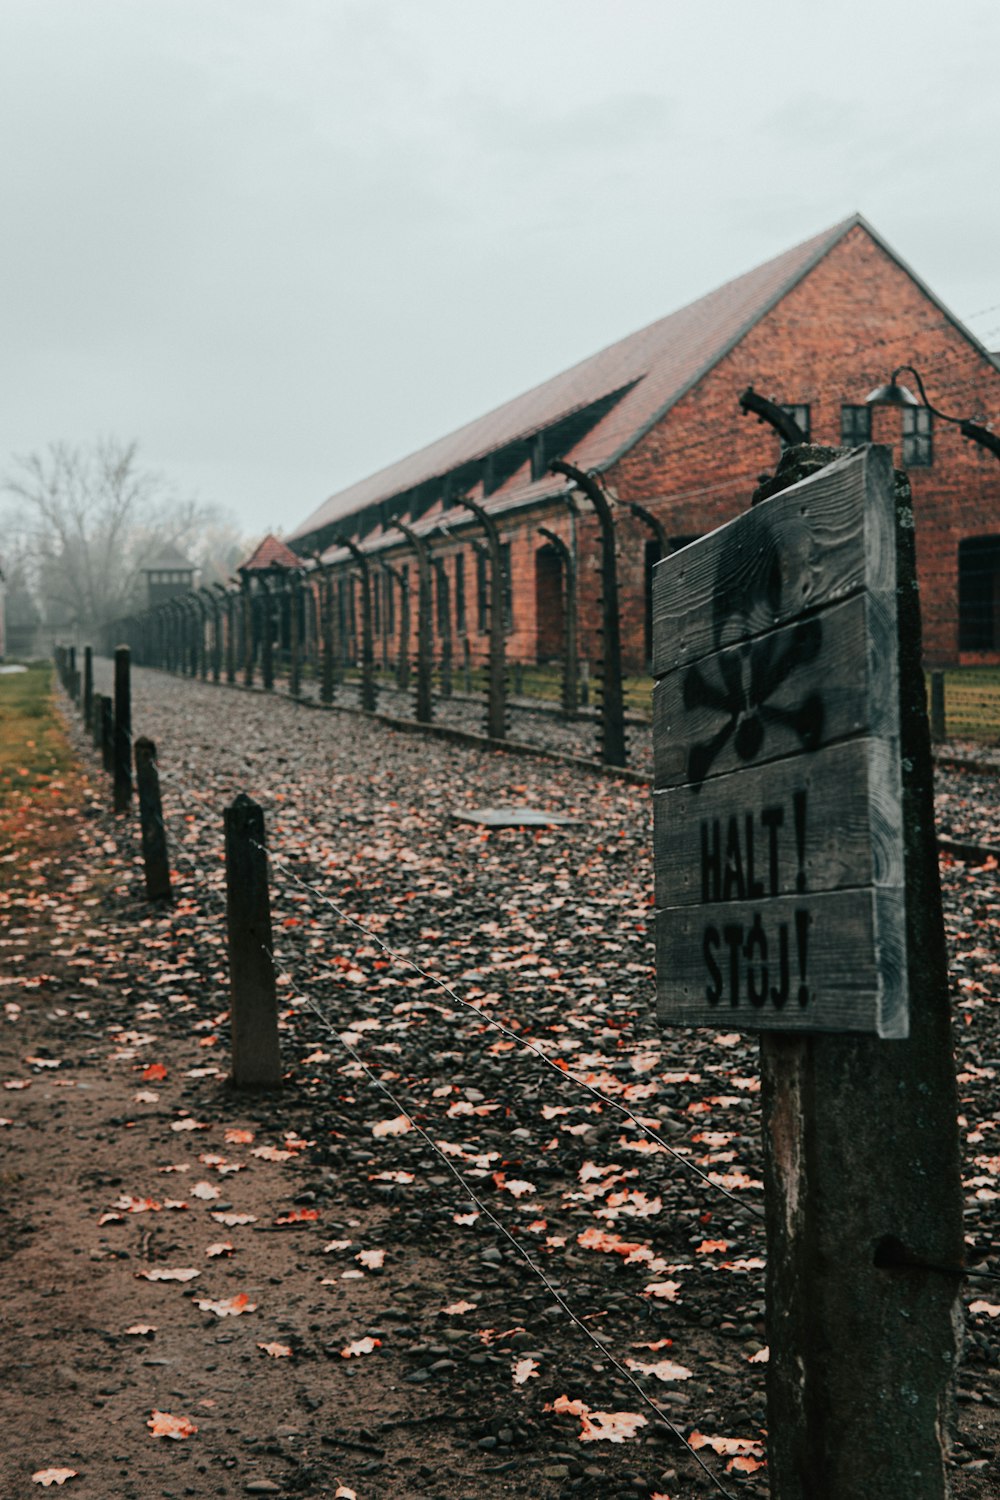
(169, 573)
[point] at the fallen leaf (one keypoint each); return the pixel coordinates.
(664, 1369)
(763, 1355)
(373, 1259)
(231, 1220)
(360, 1346)
(222, 1247)
(455, 1309)
(161, 1273)
(343, 1492)
(524, 1370)
(228, 1307)
(237, 1137)
(54, 1476)
(399, 1126)
(991, 1309)
(726, 1445)
(665, 1290)
(272, 1153)
(276, 1351)
(162, 1424)
(299, 1216)
(187, 1124)
(205, 1190)
(141, 1330)
(145, 1096)
(155, 1073)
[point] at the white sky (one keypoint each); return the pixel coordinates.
(282, 243)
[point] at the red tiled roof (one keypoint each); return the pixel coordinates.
(268, 554)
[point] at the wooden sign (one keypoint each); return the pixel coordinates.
(777, 805)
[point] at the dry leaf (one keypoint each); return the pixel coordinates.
(205, 1190)
(373, 1259)
(161, 1273)
(162, 1424)
(457, 1308)
(221, 1247)
(231, 1220)
(228, 1307)
(524, 1370)
(664, 1369)
(141, 1330)
(272, 1153)
(276, 1351)
(344, 1492)
(54, 1476)
(360, 1346)
(299, 1216)
(238, 1137)
(399, 1126)
(155, 1073)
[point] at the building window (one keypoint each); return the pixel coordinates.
(918, 451)
(979, 593)
(855, 425)
(801, 416)
(460, 592)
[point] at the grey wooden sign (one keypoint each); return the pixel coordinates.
(777, 805)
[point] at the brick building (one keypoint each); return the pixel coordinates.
(656, 415)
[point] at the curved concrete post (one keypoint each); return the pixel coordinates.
(496, 702)
(424, 704)
(613, 751)
(369, 692)
(570, 684)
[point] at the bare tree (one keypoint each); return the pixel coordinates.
(87, 520)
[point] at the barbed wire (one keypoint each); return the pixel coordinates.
(563, 1073)
(487, 1213)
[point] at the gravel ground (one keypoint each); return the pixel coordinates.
(400, 935)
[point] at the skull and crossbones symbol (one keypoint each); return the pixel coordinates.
(747, 598)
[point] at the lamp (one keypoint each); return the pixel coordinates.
(895, 394)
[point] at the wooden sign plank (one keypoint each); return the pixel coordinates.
(823, 822)
(822, 540)
(778, 806)
(828, 962)
(846, 652)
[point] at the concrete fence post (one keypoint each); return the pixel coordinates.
(253, 995)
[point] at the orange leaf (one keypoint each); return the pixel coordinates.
(360, 1346)
(236, 1137)
(228, 1307)
(299, 1216)
(154, 1073)
(162, 1424)
(54, 1476)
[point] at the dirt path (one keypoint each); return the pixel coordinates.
(462, 1351)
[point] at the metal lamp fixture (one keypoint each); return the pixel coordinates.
(895, 394)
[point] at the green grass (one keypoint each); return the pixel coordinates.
(33, 747)
(972, 703)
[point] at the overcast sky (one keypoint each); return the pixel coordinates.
(283, 244)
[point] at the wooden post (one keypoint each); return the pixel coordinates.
(107, 734)
(253, 996)
(87, 703)
(613, 750)
(797, 880)
(938, 723)
(154, 833)
(123, 731)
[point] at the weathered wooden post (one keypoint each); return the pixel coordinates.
(123, 730)
(613, 750)
(107, 734)
(938, 729)
(496, 702)
(154, 834)
(570, 662)
(424, 701)
(87, 703)
(797, 887)
(253, 995)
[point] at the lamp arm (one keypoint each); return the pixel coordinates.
(923, 394)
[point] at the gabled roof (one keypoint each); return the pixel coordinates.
(269, 553)
(653, 367)
(168, 557)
